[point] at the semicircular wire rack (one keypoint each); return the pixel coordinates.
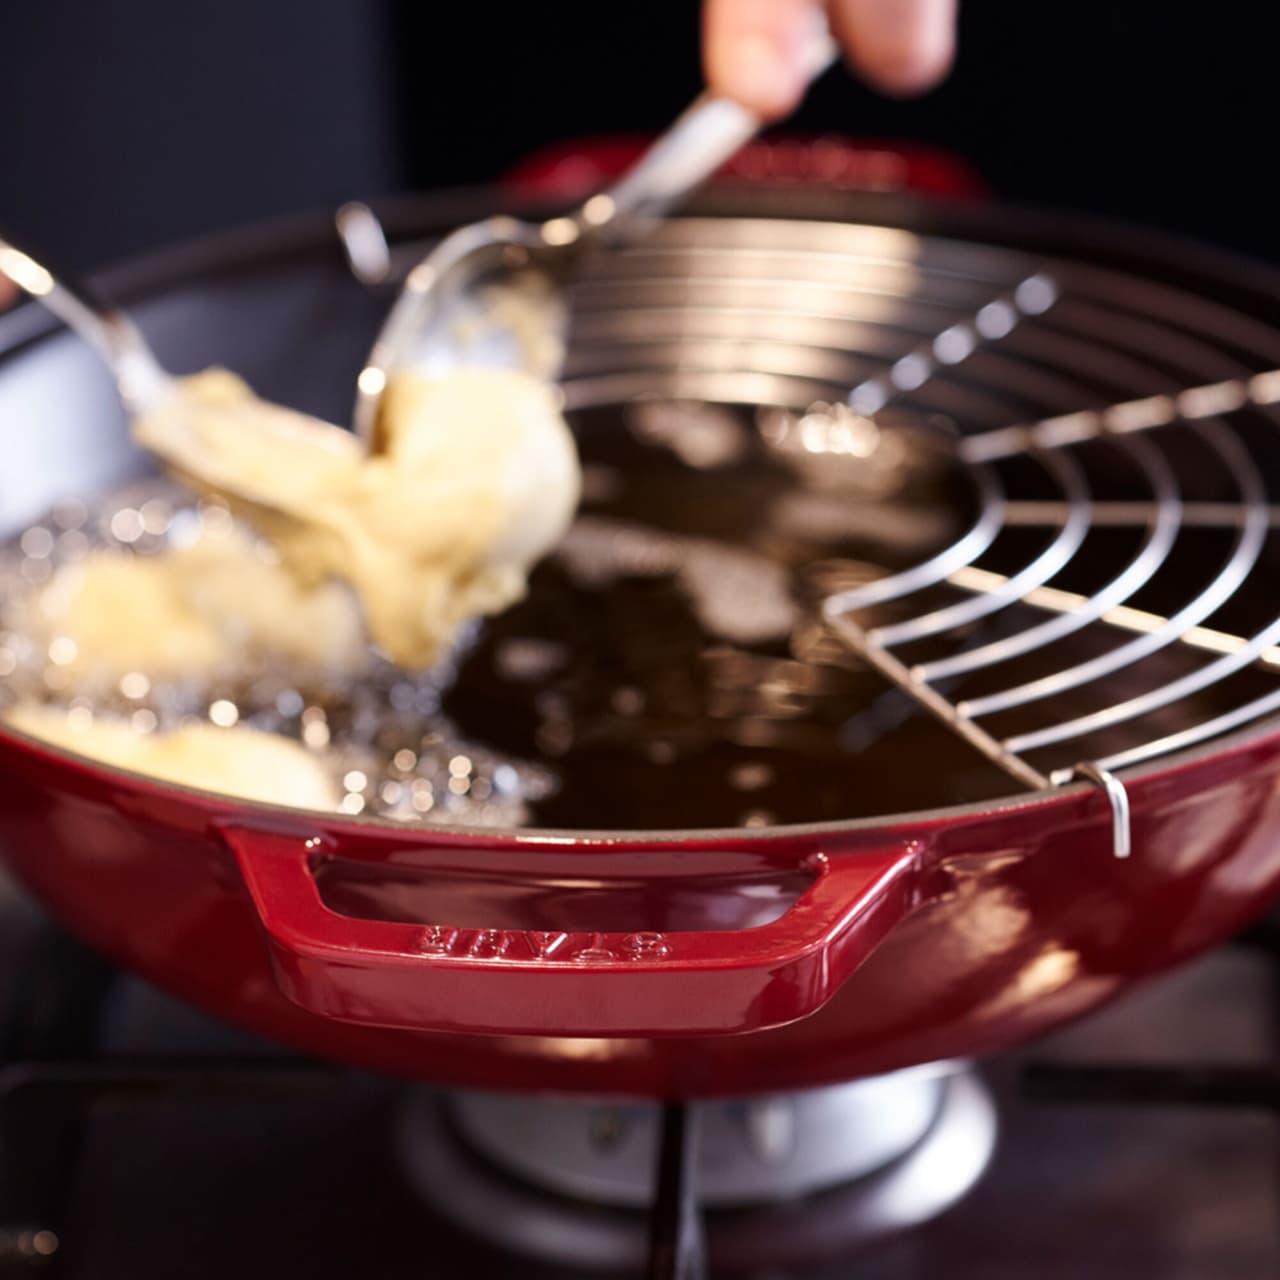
(997, 623)
(1161, 518)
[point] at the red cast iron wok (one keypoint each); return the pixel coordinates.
(632, 962)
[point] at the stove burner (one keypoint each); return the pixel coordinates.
(570, 1182)
(753, 1151)
(1168, 1161)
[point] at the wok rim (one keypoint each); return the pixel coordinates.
(301, 235)
(221, 805)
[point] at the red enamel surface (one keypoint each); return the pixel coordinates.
(949, 936)
(841, 164)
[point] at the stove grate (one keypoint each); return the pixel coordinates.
(677, 1240)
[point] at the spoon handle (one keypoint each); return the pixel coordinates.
(108, 330)
(703, 138)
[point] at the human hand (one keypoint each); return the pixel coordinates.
(753, 50)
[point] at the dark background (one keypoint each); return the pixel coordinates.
(129, 123)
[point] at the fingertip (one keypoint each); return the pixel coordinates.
(752, 69)
(753, 52)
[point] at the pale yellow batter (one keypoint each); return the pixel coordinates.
(194, 613)
(238, 762)
(477, 479)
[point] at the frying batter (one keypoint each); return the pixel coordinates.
(237, 762)
(193, 613)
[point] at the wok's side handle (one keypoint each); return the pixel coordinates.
(536, 982)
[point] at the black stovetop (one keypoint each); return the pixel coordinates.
(154, 1142)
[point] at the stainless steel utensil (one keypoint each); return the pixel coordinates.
(145, 388)
(490, 293)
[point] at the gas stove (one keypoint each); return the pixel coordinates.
(140, 1138)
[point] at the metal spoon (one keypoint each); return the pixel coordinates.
(490, 293)
(148, 391)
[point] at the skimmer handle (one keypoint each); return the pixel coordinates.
(107, 329)
(703, 138)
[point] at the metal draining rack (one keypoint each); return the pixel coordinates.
(1138, 429)
(1049, 442)
(1097, 368)
(1133, 428)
